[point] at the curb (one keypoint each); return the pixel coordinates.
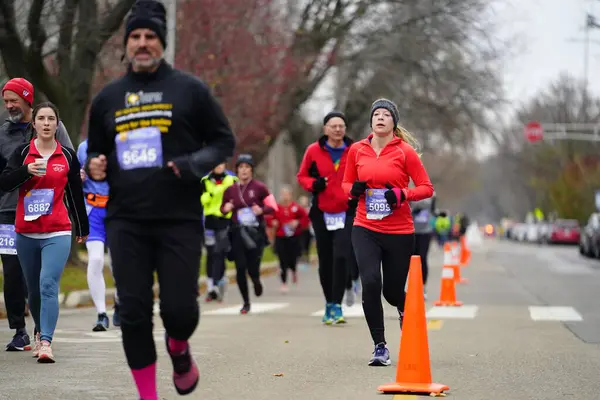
(82, 298)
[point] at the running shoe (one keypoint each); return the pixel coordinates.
(381, 356)
(101, 324)
(336, 314)
(19, 342)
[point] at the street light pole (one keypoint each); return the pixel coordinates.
(171, 6)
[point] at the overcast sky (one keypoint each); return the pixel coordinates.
(546, 30)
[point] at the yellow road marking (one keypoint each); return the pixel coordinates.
(434, 325)
(405, 397)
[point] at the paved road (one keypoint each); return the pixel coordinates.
(497, 346)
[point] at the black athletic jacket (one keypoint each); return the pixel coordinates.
(195, 134)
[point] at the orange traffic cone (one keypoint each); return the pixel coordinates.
(413, 373)
(447, 288)
(465, 253)
(456, 265)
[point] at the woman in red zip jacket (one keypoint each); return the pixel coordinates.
(378, 172)
(46, 174)
(321, 173)
(290, 220)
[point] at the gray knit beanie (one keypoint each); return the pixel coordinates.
(388, 105)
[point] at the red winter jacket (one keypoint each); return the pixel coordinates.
(332, 199)
(397, 163)
(62, 176)
(286, 214)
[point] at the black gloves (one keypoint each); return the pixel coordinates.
(319, 185)
(394, 196)
(358, 188)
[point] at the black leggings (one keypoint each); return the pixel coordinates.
(172, 250)
(305, 242)
(331, 250)
(288, 251)
(376, 252)
(422, 241)
(351, 262)
(246, 261)
(215, 264)
(15, 291)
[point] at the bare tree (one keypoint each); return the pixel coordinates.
(559, 175)
(56, 45)
(437, 61)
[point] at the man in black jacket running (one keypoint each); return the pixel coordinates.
(153, 134)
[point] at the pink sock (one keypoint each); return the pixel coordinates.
(145, 379)
(177, 346)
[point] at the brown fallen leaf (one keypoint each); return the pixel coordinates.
(279, 374)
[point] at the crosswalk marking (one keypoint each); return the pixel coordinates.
(463, 312)
(256, 308)
(536, 313)
(547, 313)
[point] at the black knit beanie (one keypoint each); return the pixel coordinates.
(334, 114)
(244, 158)
(148, 14)
(388, 105)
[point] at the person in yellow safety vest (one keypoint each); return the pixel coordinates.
(216, 230)
(442, 227)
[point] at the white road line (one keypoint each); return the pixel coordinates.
(549, 313)
(462, 312)
(255, 308)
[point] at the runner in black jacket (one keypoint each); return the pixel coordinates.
(153, 134)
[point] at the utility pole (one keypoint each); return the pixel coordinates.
(171, 6)
(590, 23)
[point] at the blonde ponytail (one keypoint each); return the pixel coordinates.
(405, 135)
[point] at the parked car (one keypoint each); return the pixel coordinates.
(589, 241)
(564, 231)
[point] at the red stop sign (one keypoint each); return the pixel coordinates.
(534, 132)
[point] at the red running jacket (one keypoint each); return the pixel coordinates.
(397, 163)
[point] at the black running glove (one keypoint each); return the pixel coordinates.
(358, 188)
(394, 196)
(319, 185)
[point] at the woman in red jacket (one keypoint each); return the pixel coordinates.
(378, 172)
(289, 220)
(46, 174)
(321, 173)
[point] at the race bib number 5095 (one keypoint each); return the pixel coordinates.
(140, 148)
(377, 205)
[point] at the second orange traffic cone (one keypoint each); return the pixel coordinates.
(465, 253)
(413, 373)
(456, 264)
(447, 287)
